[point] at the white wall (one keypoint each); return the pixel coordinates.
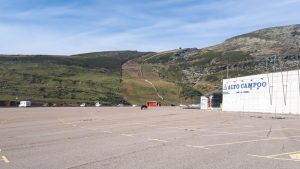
(273, 92)
(203, 102)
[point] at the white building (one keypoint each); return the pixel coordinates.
(204, 103)
(273, 92)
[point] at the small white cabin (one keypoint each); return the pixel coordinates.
(25, 104)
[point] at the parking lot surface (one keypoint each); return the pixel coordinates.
(157, 138)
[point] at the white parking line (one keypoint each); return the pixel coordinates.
(175, 128)
(63, 122)
(3, 158)
(193, 146)
(94, 129)
(154, 139)
(274, 157)
(167, 127)
(245, 141)
(127, 135)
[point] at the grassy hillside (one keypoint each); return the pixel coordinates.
(64, 80)
(91, 77)
(179, 75)
(137, 89)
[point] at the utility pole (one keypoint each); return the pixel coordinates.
(298, 55)
(227, 72)
(266, 65)
(298, 66)
(274, 64)
(227, 67)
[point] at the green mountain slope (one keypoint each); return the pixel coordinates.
(64, 80)
(173, 77)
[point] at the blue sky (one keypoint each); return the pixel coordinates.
(79, 26)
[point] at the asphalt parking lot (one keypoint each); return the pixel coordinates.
(157, 138)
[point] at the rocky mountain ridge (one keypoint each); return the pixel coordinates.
(252, 53)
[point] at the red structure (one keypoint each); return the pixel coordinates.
(153, 103)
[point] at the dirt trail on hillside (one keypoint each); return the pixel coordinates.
(132, 68)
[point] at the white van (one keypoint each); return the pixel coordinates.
(98, 104)
(25, 104)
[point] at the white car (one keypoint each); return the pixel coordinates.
(183, 106)
(120, 105)
(82, 105)
(194, 106)
(98, 104)
(25, 104)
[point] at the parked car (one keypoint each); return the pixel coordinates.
(120, 105)
(25, 104)
(98, 104)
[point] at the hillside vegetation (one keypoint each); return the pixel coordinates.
(131, 77)
(64, 80)
(252, 53)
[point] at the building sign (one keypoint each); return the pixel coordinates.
(243, 87)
